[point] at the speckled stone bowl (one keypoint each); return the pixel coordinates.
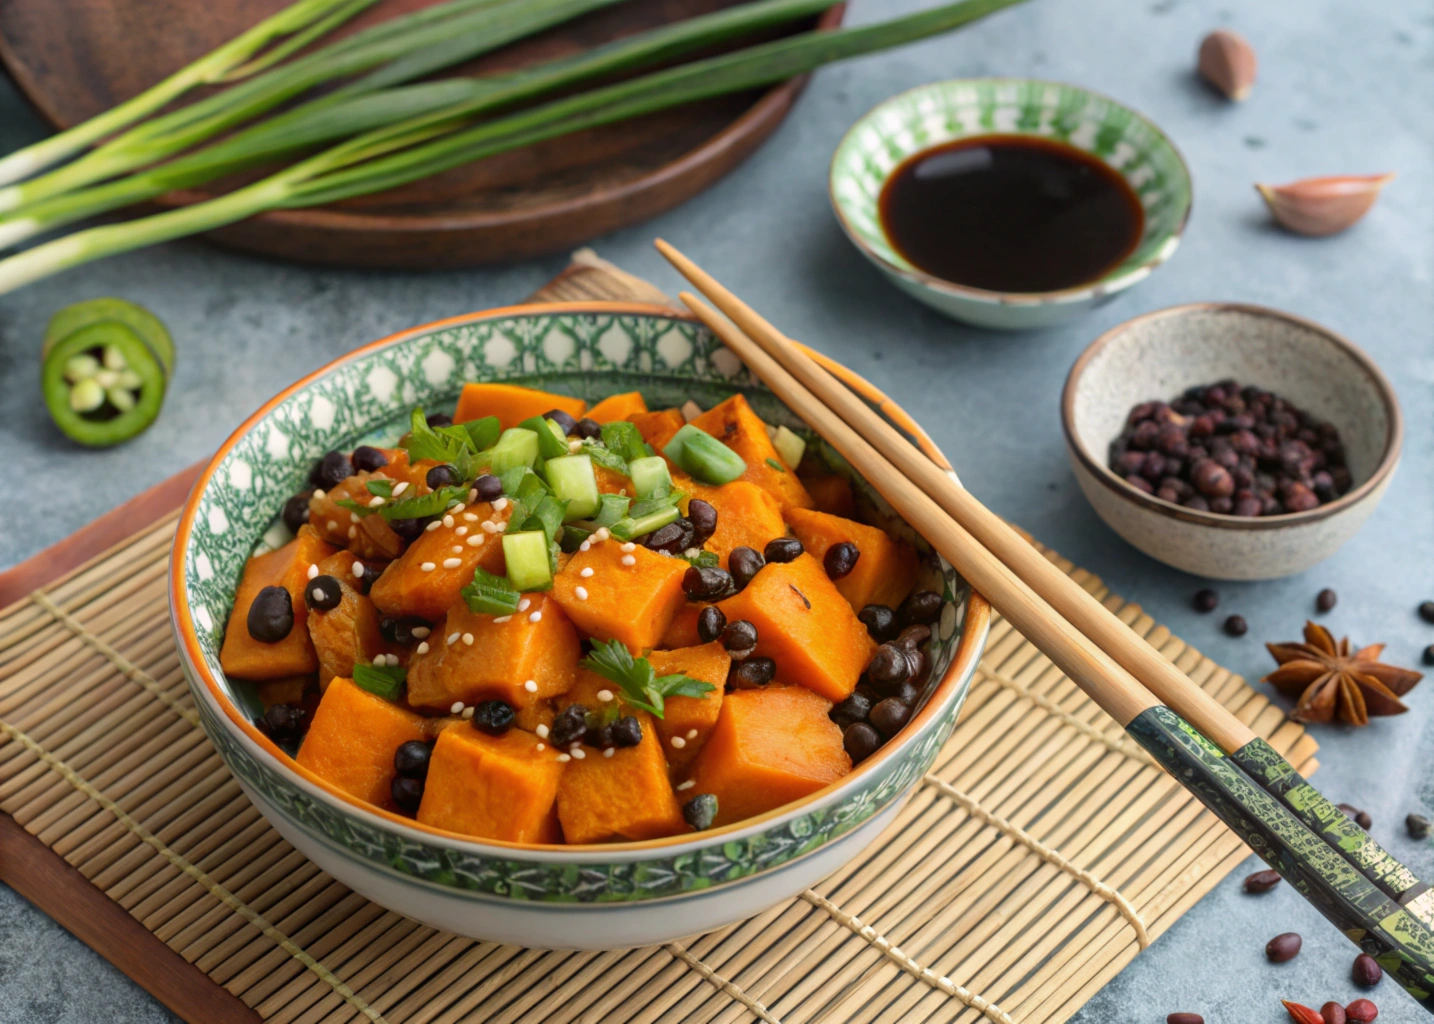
(555, 897)
(1159, 355)
(943, 111)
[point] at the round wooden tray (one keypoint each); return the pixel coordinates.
(75, 58)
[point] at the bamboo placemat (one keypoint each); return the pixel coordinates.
(1041, 853)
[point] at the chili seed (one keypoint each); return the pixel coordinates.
(1283, 947)
(703, 517)
(1366, 971)
(700, 811)
(271, 616)
(410, 529)
(744, 563)
(296, 511)
(333, 469)
(1360, 818)
(1326, 599)
(860, 741)
(407, 793)
(1426, 611)
(840, 559)
(1262, 881)
(442, 475)
(675, 537)
(782, 549)
(399, 629)
(711, 621)
(1184, 1018)
(565, 421)
(366, 459)
(854, 708)
(1235, 625)
(1418, 826)
(889, 716)
(439, 419)
(568, 726)
(588, 430)
(1332, 1013)
(323, 593)
(489, 487)
(739, 636)
(495, 717)
(921, 608)
(627, 731)
(411, 759)
(1205, 600)
(708, 583)
(1361, 1011)
(285, 721)
(751, 673)
(880, 622)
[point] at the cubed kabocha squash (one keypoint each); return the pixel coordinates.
(426, 580)
(492, 787)
(473, 657)
(244, 657)
(770, 746)
(657, 427)
(831, 494)
(625, 796)
(747, 516)
(618, 407)
(610, 481)
(630, 603)
(368, 536)
(352, 739)
(686, 722)
(512, 403)
(886, 569)
(290, 690)
(682, 630)
(347, 633)
(805, 625)
(735, 424)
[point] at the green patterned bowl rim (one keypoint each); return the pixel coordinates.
(1158, 244)
(387, 840)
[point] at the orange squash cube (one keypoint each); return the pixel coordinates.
(657, 427)
(242, 656)
(492, 787)
(349, 633)
(631, 603)
(618, 407)
(747, 516)
(831, 494)
(610, 481)
(367, 536)
(770, 747)
(512, 403)
(682, 630)
(425, 581)
(688, 721)
(626, 796)
(805, 625)
(885, 571)
(352, 739)
(735, 424)
(473, 657)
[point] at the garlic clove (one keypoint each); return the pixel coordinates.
(1227, 61)
(1323, 206)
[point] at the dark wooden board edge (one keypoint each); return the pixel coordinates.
(34, 871)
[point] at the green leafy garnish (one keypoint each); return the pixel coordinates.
(490, 595)
(431, 504)
(625, 440)
(380, 487)
(426, 443)
(359, 510)
(651, 506)
(704, 560)
(641, 686)
(614, 507)
(385, 681)
(605, 457)
(776, 465)
(482, 433)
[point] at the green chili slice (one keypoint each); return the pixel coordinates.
(105, 366)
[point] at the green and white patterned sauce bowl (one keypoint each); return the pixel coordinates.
(942, 112)
(557, 897)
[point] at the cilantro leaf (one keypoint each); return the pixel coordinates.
(426, 443)
(359, 510)
(641, 687)
(704, 560)
(648, 506)
(385, 681)
(605, 457)
(490, 595)
(431, 504)
(381, 487)
(625, 440)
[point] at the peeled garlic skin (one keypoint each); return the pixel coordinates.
(1323, 206)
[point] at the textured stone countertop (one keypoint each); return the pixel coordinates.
(1343, 88)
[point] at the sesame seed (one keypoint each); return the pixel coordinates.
(458, 548)
(402, 486)
(432, 526)
(448, 521)
(692, 552)
(332, 525)
(422, 648)
(542, 731)
(691, 734)
(535, 617)
(524, 604)
(468, 639)
(353, 532)
(313, 571)
(578, 752)
(604, 695)
(472, 517)
(585, 546)
(375, 501)
(586, 573)
(468, 712)
(462, 531)
(502, 619)
(688, 784)
(475, 541)
(541, 746)
(317, 594)
(353, 517)
(490, 527)
(472, 494)
(357, 570)
(428, 567)
(581, 592)
(500, 504)
(321, 493)
(609, 752)
(531, 686)
(452, 563)
(629, 559)
(453, 637)
(628, 548)
(564, 758)
(601, 533)
(421, 632)
(457, 708)
(678, 742)
(575, 445)
(455, 509)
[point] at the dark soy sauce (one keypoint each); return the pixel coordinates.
(1010, 213)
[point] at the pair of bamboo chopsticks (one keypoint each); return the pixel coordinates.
(1334, 863)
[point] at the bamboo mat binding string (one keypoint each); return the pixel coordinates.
(1036, 812)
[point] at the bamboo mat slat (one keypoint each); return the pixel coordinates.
(1038, 856)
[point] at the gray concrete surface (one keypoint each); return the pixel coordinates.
(1343, 88)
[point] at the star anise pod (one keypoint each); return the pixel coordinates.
(1330, 681)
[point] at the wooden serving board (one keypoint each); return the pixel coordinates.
(76, 58)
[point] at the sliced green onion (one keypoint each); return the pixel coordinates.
(384, 681)
(790, 445)
(631, 528)
(650, 476)
(490, 595)
(702, 456)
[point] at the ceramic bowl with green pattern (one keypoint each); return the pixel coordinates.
(587, 897)
(941, 112)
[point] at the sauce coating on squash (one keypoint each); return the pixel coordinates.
(349, 632)
(428, 578)
(368, 536)
(512, 403)
(886, 570)
(631, 603)
(690, 719)
(735, 424)
(492, 787)
(625, 796)
(241, 655)
(352, 740)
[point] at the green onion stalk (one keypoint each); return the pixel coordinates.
(290, 30)
(430, 145)
(417, 44)
(451, 100)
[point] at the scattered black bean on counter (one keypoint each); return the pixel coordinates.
(1283, 947)
(1417, 826)
(1354, 814)
(1366, 972)
(1428, 656)
(1262, 881)
(1236, 625)
(271, 616)
(1426, 611)
(1326, 599)
(1205, 600)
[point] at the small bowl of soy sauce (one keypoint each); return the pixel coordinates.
(1010, 203)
